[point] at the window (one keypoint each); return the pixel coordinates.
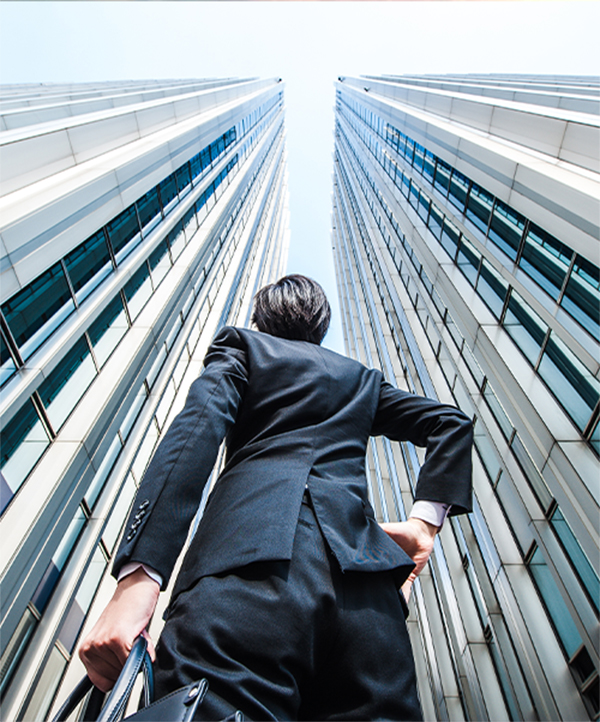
(168, 191)
(429, 165)
(100, 477)
(506, 229)
(442, 177)
(24, 440)
(492, 288)
(183, 178)
(13, 651)
(525, 327)
(585, 571)
(160, 263)
(138, 290)
(59, 559)
(554, 603)
(107, 330)
(459, 186)
(88, 265)
(546, 260)
(436, 220)
(124, 232)
(582, 296)
(479, 207)
(468, 260)
(7, 365)
(176, 240)
(149, 210)
(570, 381)
(37, 310)
(67, 383)
(450, 238)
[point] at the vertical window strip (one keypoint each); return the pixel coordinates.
(544, 258)
(571, 547)
(523, 324)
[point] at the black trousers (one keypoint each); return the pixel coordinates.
(296, 640)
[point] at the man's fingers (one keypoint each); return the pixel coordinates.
(150, 645)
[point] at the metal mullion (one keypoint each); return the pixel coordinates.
(11, 344)
(69, 284)
(41, 412)
(567, 277)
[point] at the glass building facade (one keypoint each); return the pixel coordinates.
(137, 218)
(466, 243)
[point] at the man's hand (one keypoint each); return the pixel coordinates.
(107, 646)
(415, 537)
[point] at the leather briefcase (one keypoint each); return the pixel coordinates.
(193, 702)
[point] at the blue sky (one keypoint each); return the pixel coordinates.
(308, 44)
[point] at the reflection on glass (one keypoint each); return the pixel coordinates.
(7, 365)
(38, 309)
(546, 260)
(183, 178)
(138, 290)
(492, 288)
(107, 330)
(24, 440)
(13, 651)
(46, 686)
(459, 186)
(450, 238)
(525, 327)
(570, 381)
(160, 262)
(176, 239)
(555, 605)
(468, 260)
(63, 388)
(442, 176)
(88, 265)
(479, 207)
(506, 229)
(100, 477)
(436, 220)
(168, 191)
(429, 165)
(124, 232)
(149, 210)
(582, 295)
(579, 560)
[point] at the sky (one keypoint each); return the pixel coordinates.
(308, 44)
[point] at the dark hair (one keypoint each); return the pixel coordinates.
(294, 307)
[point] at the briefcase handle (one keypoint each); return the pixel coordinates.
(195, 701)
(114, 708)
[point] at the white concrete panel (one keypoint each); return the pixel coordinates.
(532, 131)
(439, 104)
(35, 116)
(550, 202)
(474, 114)
(581, 146)
(9, 283)
(150, 120)
(30, 160)
(91, 140)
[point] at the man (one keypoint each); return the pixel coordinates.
(288, 598)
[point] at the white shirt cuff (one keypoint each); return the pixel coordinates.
(131, 567)
(433, 512)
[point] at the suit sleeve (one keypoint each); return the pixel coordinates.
(170, 492)
(445, 432)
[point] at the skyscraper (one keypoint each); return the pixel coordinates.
(465, 234)
(137, 218)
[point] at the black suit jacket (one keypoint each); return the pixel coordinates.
(295, 415)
